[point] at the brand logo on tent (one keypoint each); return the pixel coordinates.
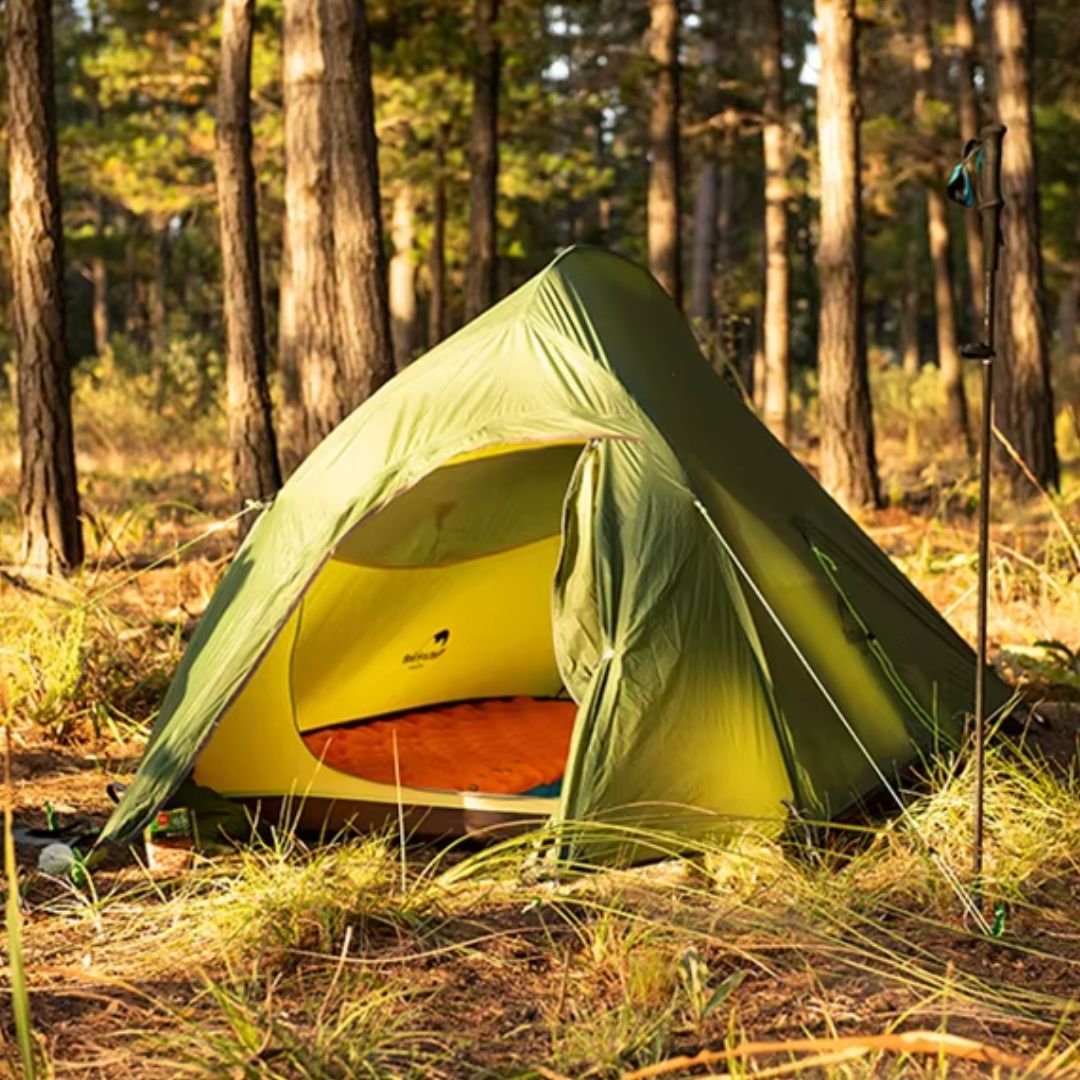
(432, 649)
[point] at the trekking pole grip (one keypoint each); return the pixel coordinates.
(989, 191)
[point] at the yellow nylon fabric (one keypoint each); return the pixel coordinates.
(372, 640)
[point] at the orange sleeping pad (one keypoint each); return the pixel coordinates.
(503, 746)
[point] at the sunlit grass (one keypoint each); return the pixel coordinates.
(291, 959)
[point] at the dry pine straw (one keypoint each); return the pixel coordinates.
(498, 986)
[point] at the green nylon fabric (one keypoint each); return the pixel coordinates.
(711, 598)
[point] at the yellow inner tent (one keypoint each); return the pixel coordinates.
(443, 596)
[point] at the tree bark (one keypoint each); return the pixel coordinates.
(362, 338)
(48, 492)
(952, 375)
(910, 343)
(1068, 308)
(758, 380)
(969, 129)
(703, 251)
(135, 321)
(335, 321)
(703, 237)
(307, 293)
(480, 282)
(437, 256)
(403, 274)
(777, 328)
(99, 279)
(665, 255)
(255, 471)
(1023, 401)
(291, 419)
(723, 318)
(99, 269)
(848, 466)
(909, 311)
(156, 305)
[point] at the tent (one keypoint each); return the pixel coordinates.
(556, 568)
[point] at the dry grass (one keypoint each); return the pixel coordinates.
(283, 961)
(286, 961)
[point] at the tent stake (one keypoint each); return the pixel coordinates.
(987, 159)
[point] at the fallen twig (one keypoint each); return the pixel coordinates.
(906, 1042)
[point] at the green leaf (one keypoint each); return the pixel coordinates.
(724, 991)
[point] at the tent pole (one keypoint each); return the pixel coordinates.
(988, 181)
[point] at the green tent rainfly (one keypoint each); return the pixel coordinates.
(556, 567)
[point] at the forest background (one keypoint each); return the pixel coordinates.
(686, 138)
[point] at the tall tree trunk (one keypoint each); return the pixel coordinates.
(307, 289)
(909, 311)
(848, 466)
(910, 345)
(291, 419)
(99, 269)
(703, 249)
(437, 256)
(777, 328)
(969, 129)
(1023, 403)
(665, 256)
(48, 492)
(255, 471)
(99, 280)
(135, 321)
(157, 309)
(362, 338)
(156, 313)
(703, 236)
(952, 376)
(403, 274)
(724, 318)
(480, 281)
(1068, 309)
(758, 375)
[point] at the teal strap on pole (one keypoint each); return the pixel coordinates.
(962, 186)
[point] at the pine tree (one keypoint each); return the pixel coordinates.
(665, 253)
(480, 280)
(335, 324)
(848, 465)
(1023, 400)
(255, 471)
(964, 39)
(308, 300)
(48, 492)
(777, 319)
(956, 410)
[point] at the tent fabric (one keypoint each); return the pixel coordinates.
(733, 640)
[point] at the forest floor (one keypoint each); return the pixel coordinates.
(280, 960)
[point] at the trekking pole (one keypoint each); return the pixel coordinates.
(983, 158)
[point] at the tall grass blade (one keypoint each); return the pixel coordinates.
(20, 998)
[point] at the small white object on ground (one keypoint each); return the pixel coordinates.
(56, 859)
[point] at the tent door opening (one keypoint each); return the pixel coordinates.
(422, 655)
